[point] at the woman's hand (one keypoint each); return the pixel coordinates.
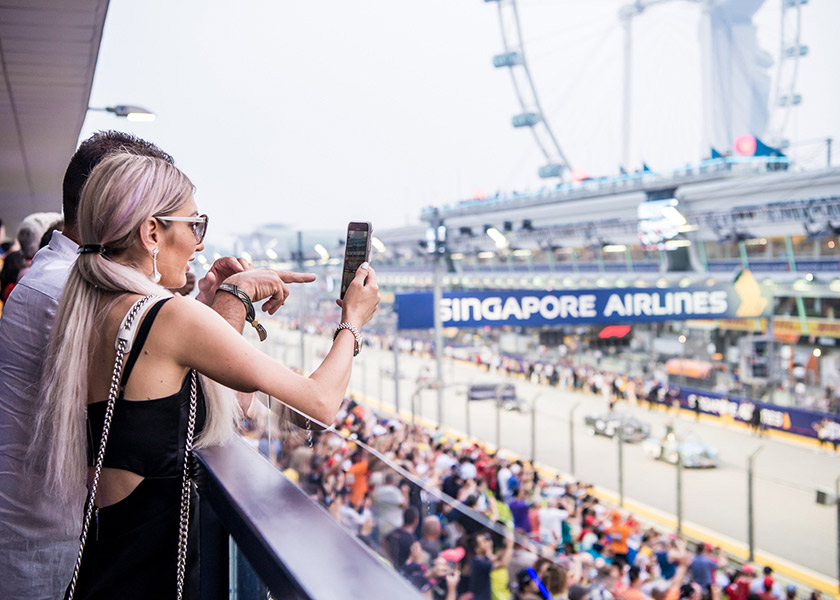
(269, 285)
(362, 297)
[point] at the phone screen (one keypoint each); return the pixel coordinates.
(356, 251)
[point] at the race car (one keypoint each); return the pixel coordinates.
(629, 427)
(695, 454)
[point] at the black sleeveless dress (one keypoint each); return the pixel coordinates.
(132, 546)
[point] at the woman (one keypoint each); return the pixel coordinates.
(139, 229)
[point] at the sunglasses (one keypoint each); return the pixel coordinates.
(197, 224)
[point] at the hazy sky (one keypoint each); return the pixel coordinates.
(314, 113)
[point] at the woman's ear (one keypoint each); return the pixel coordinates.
(150, 233)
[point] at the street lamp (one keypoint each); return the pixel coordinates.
(132, 113)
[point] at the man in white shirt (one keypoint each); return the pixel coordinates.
(551, 522)
(39, 540)
(388, 505)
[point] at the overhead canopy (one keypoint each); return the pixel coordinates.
(48, 52)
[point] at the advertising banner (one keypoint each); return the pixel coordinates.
(744, 299)
(783, 418)
(490, 391)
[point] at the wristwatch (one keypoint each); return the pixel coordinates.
(250, 313)
(352, 329)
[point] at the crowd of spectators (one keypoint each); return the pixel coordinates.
(461, 521)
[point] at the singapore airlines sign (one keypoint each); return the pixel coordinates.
(603, 306)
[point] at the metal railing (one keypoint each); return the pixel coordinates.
(295, 547)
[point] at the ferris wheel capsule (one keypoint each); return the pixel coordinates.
(528, 119)
(551, 170)
(508, 59)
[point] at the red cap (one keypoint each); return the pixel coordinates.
(453, 555)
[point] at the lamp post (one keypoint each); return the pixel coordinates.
(436, 246)
(440, 251)
(132, 113)
(302, 315)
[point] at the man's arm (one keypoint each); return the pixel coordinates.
(503, 559)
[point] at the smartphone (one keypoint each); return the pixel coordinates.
(356, 251)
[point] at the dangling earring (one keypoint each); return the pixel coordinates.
(155, 275)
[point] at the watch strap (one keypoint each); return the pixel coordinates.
(250, 313)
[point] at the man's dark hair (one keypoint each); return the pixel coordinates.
(411, 516)
(686, 591)
(90, 153)
(45, 239)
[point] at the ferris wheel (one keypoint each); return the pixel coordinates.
(782, 100)
(532, 115)
(791, 49)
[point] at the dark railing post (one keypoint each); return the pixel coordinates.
(215, 557)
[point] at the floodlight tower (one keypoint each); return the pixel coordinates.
(626, 14)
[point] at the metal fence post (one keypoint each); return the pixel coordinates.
(679, 489)
(364, 376)
(620, 467)
(534, 429)
(750, 512)
(572, 439)
(498, 417)
(381, 368)
(397, 372)
(837, 502)
(467, 409)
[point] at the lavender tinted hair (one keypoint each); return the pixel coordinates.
(122, 192)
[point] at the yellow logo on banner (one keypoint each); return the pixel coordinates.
(753, 302)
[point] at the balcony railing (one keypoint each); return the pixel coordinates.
(296, 549)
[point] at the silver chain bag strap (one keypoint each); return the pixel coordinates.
(124, 340)
(186, 488)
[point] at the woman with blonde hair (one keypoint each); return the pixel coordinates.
(139, 228)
